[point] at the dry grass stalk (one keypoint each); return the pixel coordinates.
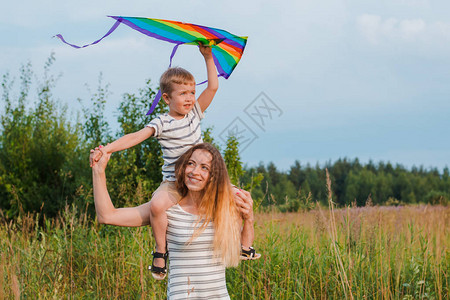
(333, 234)
(2, 284)
(15, 286)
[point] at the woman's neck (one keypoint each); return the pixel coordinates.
(191, 202)
(194, 198)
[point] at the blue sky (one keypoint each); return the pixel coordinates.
(366, 79)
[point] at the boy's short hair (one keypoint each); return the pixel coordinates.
(174, 75)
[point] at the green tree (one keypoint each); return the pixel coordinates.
(359, 186)
(273, 176)
(296, 174)
(338, 173)
(39, 148)
(208, 138)
(383, 188)
(286, 194)
(233, 160)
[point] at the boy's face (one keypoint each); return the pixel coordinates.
(181, 100)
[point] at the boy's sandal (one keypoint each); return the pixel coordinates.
(249, 254)
(157, 272)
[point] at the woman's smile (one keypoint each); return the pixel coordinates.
(197, 170)
(194, 180)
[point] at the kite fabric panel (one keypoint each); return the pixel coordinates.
(227, 48)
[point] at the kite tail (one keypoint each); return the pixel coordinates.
(97, 41)
(155, 102)
(158, 95)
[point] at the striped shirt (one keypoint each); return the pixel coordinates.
(194, 272)
(176, 136)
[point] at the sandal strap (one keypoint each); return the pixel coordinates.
(155, 269)
(160, 255)
(249, 253)
(158, 270)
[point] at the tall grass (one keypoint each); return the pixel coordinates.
(351, 253)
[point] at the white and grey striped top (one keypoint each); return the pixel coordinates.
(176, 136)
(194, 272)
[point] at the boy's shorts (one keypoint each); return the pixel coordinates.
(169, 188)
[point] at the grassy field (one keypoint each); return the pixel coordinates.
(352, 253)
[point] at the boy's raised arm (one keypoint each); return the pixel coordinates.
(205, 98)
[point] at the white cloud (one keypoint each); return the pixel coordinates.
(377, 30)
(411, 28)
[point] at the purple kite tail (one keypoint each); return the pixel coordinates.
(158, 95)
(78, 47)
(155, 102)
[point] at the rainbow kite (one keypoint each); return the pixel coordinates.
(227, 48)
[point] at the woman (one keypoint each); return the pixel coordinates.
(205, 231)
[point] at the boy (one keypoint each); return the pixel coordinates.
(176, 131)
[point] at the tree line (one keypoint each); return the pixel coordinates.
(352, 184)
(44, 153)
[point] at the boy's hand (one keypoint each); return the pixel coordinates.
(206, 51)
(205, 98)
(244, 203)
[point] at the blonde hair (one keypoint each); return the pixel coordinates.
(217, 205)
(174, 75)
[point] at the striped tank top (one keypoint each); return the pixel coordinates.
(194, 272)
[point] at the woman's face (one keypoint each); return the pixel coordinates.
(197, 170)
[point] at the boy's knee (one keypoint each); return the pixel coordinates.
(159, 204)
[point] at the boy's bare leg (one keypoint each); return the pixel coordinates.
(160, 202)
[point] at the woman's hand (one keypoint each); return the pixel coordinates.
(102, 162)
(244, 202)
(95, 155)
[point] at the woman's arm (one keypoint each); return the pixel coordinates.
(106, 212)
(244, 202)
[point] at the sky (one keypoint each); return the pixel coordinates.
(318, 81)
